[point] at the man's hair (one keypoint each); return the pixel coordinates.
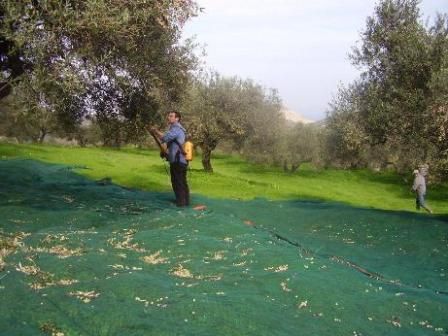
(177, 113)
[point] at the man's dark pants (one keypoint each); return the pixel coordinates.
(178, 173)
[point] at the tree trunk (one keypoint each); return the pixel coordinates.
(285, 166)
(81, 140)
(206, 156)
(294, 167)
(42, 135)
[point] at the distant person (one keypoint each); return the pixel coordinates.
(175, 138)
(419, 187)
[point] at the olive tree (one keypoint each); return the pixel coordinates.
(79, 44)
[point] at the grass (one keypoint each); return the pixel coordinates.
(237, 179)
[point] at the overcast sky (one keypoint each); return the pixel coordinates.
(299, 47)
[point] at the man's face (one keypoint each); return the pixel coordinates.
(172, 118)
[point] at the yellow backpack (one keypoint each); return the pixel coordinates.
(188, 150)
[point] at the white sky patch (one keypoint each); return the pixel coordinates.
(298, 47)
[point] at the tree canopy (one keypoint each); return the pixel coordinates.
(225, 108)
(118, 60)
(397, 105)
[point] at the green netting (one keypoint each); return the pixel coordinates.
(82, 257)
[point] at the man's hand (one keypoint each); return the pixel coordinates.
(154, 131)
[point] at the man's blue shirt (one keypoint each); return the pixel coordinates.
(177, 132)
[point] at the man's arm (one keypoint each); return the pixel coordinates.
(155, 131)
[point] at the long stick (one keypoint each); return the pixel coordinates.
(163, 149)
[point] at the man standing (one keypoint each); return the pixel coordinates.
(419, 187)
(175, 138)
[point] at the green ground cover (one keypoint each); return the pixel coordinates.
(86, 257)
(236, 179)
